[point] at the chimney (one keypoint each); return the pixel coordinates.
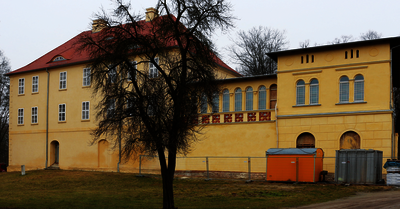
(98, 25)
(151, 13)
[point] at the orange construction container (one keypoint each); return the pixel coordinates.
(294, 164)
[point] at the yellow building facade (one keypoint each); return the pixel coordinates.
(331, 97)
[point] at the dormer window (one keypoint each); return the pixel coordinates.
(58, 58)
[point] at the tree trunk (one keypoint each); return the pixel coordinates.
(167, 174)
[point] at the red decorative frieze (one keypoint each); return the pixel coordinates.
(205, 119)
(239, 117)
(265, 116)
(227, 118)
(215, 119)
(251, 116)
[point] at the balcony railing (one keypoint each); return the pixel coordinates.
(237, 117)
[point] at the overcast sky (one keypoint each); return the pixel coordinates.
(31, 28)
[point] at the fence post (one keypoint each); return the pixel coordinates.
(208, 175)
(140, 166)
(249, 165)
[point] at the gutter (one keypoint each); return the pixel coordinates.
(47, 119)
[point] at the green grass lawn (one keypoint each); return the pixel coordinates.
(79, 189)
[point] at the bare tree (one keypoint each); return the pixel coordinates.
(155, 111)
(342, 39)
(305, 44)
(370, 35)
(250, 48)
(4, 99)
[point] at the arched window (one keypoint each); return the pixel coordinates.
(314, 91)
(305, 140)
(225, 100)
(262, 98)
(300, 92)
(344, 89)
(238, 99)
(215, 107)
(273, 93)
(359, 88)
(350, 140)
(249, 98)
(203, 104)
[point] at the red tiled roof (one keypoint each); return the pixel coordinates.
(69, 51)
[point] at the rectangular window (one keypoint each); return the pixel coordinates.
(215, 107)
(21, 86)
(359, 91)
(63, 80)
(35, 84)
(153, 71)
(112, 74)
(300, 99)
(344, 92)
(86, 77)
(132, 72)
(61, 112)
(111, 108)
(20, 116)
(34, 115)
(203, 104)
(85, 110)
(313, 94)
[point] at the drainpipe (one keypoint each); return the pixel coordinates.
(276, 124)
(119, 144)
(391, 103)
(47, 119)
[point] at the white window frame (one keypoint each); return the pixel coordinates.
(359, 90)
(238, 99)
(34, 114)
(153, 71)
(225, 100)
(20, 118)
(262, 98)
(314, 86)
(85, 110)
(86, 77)
(300, 93)
(35, 84)
(21, 86)
(112, 73)
(63, 80)
(342, 86)
(249, 98)
(62, 113)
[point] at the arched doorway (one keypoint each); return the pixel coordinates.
(305, 140)
(54, 153)
(350, 140)
(104, 156)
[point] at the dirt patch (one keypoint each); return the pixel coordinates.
(387, 199)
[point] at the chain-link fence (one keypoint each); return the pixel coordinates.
(302, 169)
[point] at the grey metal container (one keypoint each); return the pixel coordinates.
(358, 166)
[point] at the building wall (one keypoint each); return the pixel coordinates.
(28, 140)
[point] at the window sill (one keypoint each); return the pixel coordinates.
(310, 105)
(85, 120)
(62, 89)
(62, 121)
(345, 103)
(87, 86)
(34, 124)
(20, 124)
(21, 94)
(35, 93)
